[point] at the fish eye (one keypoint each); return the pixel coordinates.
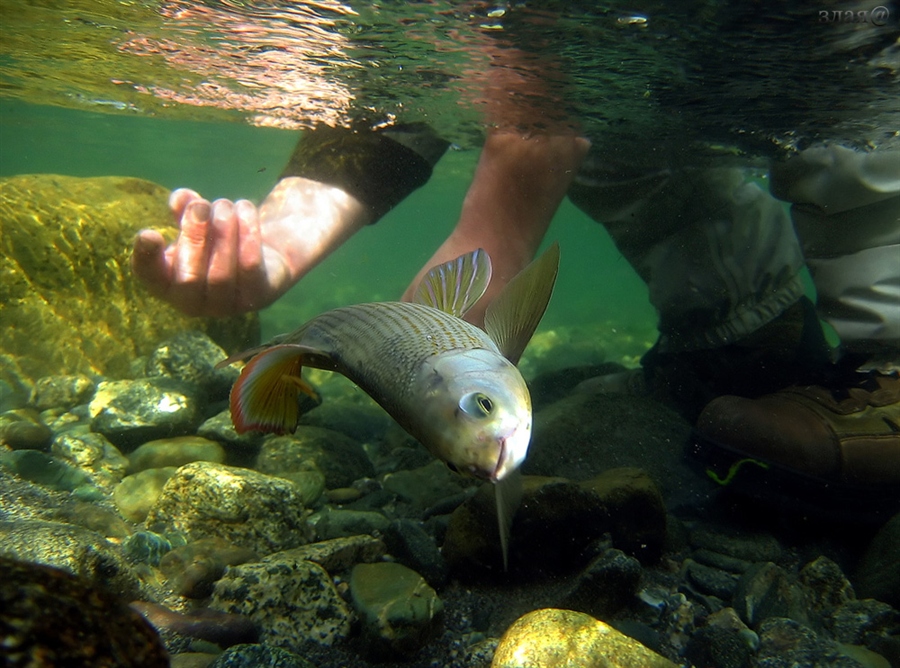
(476, 404)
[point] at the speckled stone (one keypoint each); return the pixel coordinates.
(338, 457)
(52, 618)
(552, 638)
(336, 555)
(258, 656)
(61, 391)
(192, 357)
(292, 602)
(22, 428)
(400, 612)
(75, 549)
(338, 523)
(193, 569)
(93, 454)
(246, 508)
(71, 302)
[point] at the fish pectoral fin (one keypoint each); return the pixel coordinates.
(455, 286)
(513, 316)
(508, 495)
(265, 396)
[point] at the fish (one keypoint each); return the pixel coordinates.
(451, 385)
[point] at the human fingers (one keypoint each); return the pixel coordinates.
(148, 261)
(255, 288)
(179, 199)
(222, 271)
(191, 259)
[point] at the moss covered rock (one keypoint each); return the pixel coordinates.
(69, 301)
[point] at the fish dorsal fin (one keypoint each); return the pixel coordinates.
(455, 286)
(513, 316)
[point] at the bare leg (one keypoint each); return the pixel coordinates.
(518, 185)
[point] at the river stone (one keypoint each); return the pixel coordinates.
(246, 508)
(552, 638)
(337, 554)
(427, 485)
(62, 391)
(131, 412)
(193, 569)
(43, 469)
(71, 302)
(75, 549)
(398, 610)
(605, 586)
(258, 656)
(192, 358)
(767, 590)
(136, 494)
(52, 618)
(878, 575)
(624, 502)
(241, 449)
(176, 451)
(292, 602)
(93, 454)
(337, 523)
(338, 457)
(22, 428)
(785, 643)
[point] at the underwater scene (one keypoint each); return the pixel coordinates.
(449, 334)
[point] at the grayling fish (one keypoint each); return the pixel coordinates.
(453, 386)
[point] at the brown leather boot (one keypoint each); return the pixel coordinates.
(850, 435)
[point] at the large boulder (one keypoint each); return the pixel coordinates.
(70, 301)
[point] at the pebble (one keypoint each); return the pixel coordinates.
(137, 493)
(174, 452)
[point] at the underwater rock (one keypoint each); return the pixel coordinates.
(62, 391)
(244, 507)
(52, 618)
(241, 449)
(767, 591)
(71, 302)
(553, 638)
(131, 412)
(878, 574)
(137, 494)
(826, 586)
(785, 643)
(72, 548)
(717, 647)
(339, 458)
(415, 548)
(258, 656)
(337, 554)
(400, 613)
(427, 485)
(193, 569)
(214, 626)
(176, 451)
(22, 428)
(748, 546)
(145, 547)
(338, 523)
(859, 622)
(710, 580)
(606, 585)
(291, 601)
(191, 357)
(43, 469)
(93, 454)
(362, 423)
(556, 522)
(101, 519)
(584, 434)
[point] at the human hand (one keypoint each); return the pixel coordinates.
(230, 257)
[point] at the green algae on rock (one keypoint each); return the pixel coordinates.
(70, 302)
(552, 638)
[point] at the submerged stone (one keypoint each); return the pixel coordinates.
(191, 357)
(244, 507)
(553, 638)
(53, 618)
(338, 457)
(291, 601)
(176, 451)
(71, 302)
(399, 611)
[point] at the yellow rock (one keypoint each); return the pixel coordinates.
(551, 638)
(68, 300)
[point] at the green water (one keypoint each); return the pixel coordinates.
(596, 285)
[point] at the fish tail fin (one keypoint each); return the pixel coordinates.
(508, 495)
(265, 396)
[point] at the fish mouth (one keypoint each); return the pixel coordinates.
(501, 459)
